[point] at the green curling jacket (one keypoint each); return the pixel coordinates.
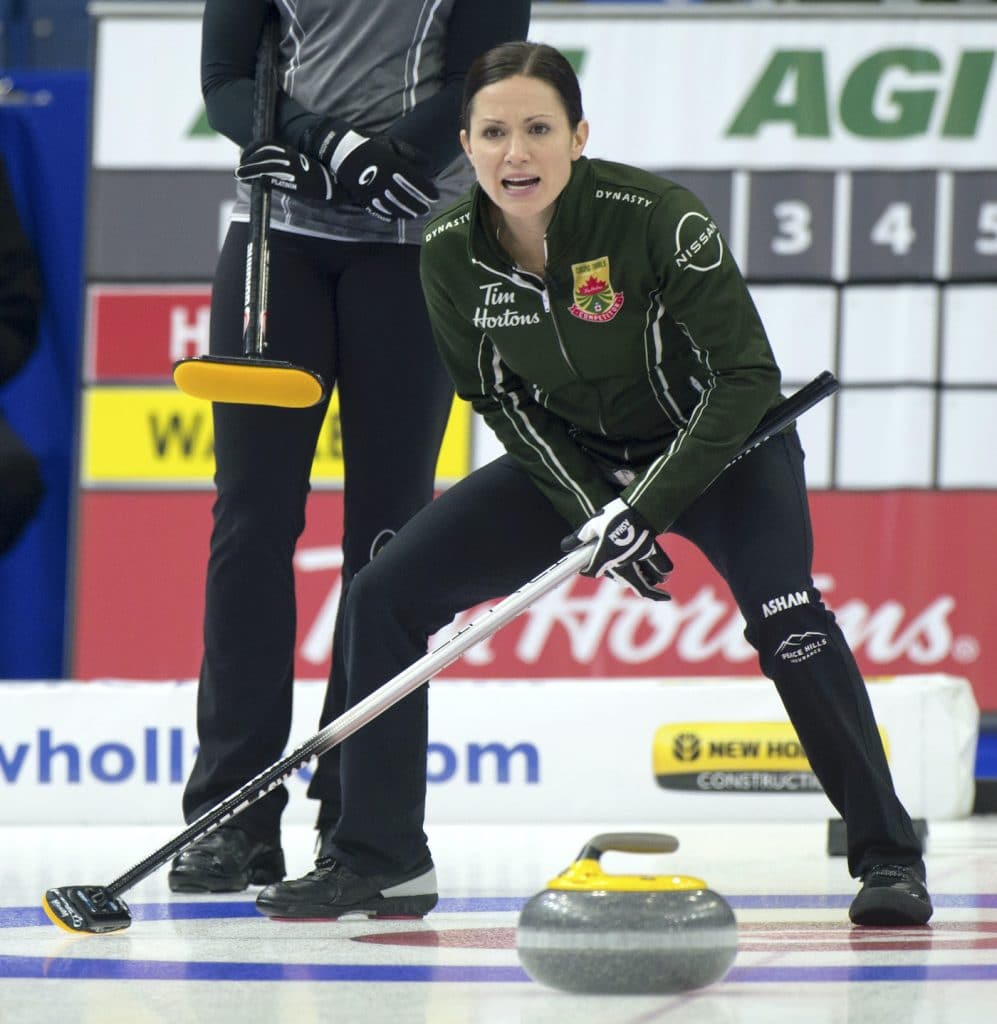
(636, 366)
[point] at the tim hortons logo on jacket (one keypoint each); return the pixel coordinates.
(595, 300)
(490, 316)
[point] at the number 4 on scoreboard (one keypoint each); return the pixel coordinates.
(895, 228)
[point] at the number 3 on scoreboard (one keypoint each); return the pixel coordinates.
(795, 233)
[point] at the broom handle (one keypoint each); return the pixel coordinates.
(422, 670)
(258, 247)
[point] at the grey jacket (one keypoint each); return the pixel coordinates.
(392, 67)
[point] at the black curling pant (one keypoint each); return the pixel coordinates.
(494, 530)
(354, 312)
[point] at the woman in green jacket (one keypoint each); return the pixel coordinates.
(592, 313)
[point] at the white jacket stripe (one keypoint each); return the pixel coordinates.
(520, 421)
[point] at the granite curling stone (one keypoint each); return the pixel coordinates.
(592, 932)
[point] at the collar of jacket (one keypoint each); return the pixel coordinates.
(564, 227)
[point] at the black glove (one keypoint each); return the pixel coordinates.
(286, 169)
(625, 549)
(382, 175)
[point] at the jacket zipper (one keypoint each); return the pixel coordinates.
(524, 277)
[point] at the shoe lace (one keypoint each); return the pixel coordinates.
(324, 866)
(901, 872)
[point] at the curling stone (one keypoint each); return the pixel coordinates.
(592, 932)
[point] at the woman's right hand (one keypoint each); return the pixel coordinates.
(287, 169)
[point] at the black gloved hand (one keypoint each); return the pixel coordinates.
(286, 169)
(382, 175)
(625, 549)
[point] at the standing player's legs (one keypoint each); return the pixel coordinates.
(481, 539)
(263, 459)
(764, 551)
(394, 401)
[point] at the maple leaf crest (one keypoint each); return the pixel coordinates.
(593, 286)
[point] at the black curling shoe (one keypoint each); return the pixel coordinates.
(226, 860)
(891, 896)
(332, 890)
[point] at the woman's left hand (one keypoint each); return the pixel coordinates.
(625, 548)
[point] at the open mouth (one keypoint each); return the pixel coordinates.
(514, 184)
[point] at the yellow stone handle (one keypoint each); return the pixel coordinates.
(586, 874)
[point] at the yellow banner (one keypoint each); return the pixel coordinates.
(158, 435)
(689, 747)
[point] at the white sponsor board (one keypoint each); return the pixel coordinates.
(896, 92)
(555, 751)
(695, 92)
(148, 110)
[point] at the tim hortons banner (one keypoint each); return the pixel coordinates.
(901, 570)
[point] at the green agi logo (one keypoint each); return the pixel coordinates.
(890, 94)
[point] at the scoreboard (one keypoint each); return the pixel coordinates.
(844, 225)
(784, 225)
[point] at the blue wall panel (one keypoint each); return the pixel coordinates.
(44, 140)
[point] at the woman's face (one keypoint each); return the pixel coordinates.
(521, 146)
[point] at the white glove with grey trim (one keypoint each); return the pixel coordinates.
(382, 175)
(625, 549)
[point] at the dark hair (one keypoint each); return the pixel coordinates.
(533, 60)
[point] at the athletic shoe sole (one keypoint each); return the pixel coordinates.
(403, 907)
(885, 907)
(413, 898)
